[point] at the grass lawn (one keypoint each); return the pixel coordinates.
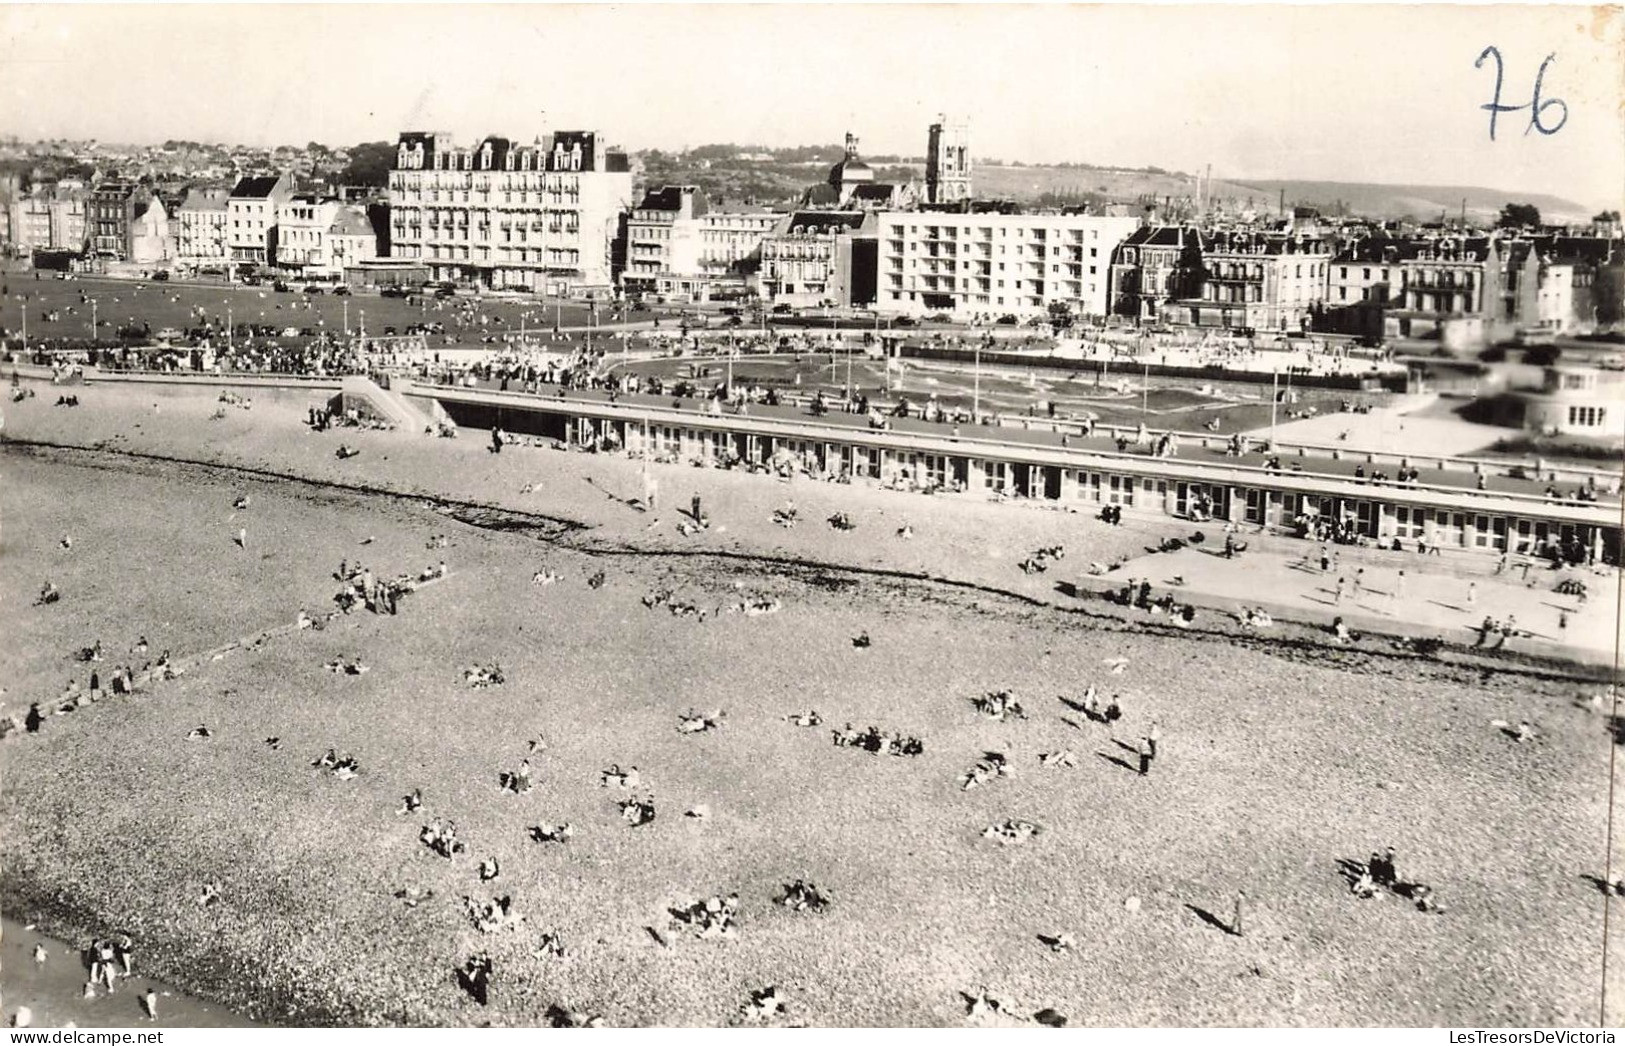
(171, 304)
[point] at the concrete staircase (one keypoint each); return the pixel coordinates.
(369, 399)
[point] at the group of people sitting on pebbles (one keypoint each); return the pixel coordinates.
(874, 740)
(1039, 561)
(442, 839)
(122, 682)
(516, 782)
(637, 810)
(803, 896)
(493, 915)
(378, 595)
(552, 833)
(711, 917)
(999, 705)
(1379, 873)
(481, 676)
(344, 767)
(1011, 831)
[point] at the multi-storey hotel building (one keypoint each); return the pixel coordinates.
(543, 217)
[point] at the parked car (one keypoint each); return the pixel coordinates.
(389, 332)
(169, 334)
(161, 275)
(445, 292)
(342, 291)
(281, 285)
(782, 309)
(315, 288)
(393, 291)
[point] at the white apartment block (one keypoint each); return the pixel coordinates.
(202, 228)
(966, 264)
(543, 217)
(303, 222)
(252, 213)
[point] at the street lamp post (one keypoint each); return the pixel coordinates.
(976, 394)
(1145, 389)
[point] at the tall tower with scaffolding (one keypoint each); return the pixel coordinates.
(947, 162)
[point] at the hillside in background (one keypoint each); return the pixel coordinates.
(1422, 202)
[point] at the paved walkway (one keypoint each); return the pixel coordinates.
(1428, 599)
(1389, 432)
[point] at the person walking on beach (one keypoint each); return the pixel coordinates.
(242, 538)
(1235, 922)
(1147, 752)
(1151, 739)
(1472, 592)
(1399, 586)
(1359, 583)
(694, 508)
(1342, 586)
(149, 1002)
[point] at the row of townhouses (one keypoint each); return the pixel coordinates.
(1461, 289)
(260, 221)
(559, 215)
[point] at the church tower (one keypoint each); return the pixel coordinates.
(947, 162)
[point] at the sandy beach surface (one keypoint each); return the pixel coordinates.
(1278, 756)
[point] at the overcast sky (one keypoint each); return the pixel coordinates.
(1386, 93)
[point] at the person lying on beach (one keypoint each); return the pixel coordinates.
(552, 833)
(692, 722)
(628, 778)
(48, 594)
(993, 766)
